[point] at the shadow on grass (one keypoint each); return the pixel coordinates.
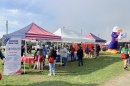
(59, 83)
(90, 65)
(72, 68)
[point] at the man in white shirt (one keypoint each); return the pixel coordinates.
(64, 54)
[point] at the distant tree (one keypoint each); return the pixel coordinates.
(48, 43)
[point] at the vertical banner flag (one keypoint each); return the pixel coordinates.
(12, 63)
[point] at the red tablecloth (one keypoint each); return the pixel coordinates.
(28, 59)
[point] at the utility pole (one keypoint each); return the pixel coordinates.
(6, 26)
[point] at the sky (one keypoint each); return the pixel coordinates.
(85, 16)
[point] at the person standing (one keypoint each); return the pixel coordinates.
(72, 52)
(93, 50)
(54, 54)
(51, 64)
(87, 51)
(22, 50)
(41, 60)
(36, 55)
(125, 50)
(44, 52)
(80, 55)
(58, 53)
(64, 54)
(2, 57)
(98, 49)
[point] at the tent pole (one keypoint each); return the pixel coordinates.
(36, 44)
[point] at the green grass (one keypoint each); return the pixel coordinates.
(93, 73)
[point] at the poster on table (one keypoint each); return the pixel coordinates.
(12, 63)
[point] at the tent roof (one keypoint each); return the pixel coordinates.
(97, 39)
(33, 31)
(68, 35)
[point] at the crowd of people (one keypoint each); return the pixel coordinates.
(65, 52)
(55, 54)
(93, 52)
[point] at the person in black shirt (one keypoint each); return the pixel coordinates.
(80, 55)
(2, 57)
(22, 50)
(98, 49)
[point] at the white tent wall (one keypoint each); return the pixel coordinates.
(71, 36)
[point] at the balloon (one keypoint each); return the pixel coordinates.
(115, 29)
(116, 35)
(122, 35)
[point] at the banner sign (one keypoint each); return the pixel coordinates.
(12, 63)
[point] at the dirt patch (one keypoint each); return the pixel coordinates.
(122, 80)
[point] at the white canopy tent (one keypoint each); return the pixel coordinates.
(72, 36)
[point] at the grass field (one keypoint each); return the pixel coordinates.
(93, 73)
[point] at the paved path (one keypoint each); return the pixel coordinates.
(122, 80)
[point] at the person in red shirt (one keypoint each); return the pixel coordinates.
(72, 50)
(36, 59)
(41, 60)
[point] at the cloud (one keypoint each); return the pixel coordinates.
(90, 17)
(14, 11)
(2, 21)
(95, 16)
(17, 19)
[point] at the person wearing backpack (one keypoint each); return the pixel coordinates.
(80, 55)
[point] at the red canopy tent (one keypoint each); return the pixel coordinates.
(33, 31)
(97, 39)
